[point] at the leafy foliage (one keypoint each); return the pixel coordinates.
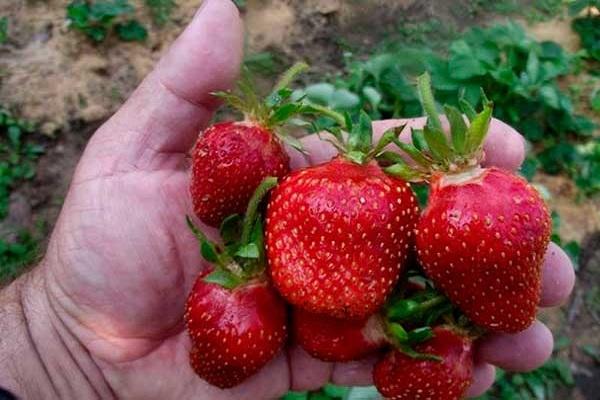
(16, 254)
(519, 74)
(588, 29)
(161, 10)
(577, 6)
(332, 392)
(539, 384)
(96, 19)
(3, 29)
(17, 163)
(17, 155)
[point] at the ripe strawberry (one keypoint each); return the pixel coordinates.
(483, 235)
(235, 319)
(234, 332)
(230, 159)
(339, 234)
(331, 339)
(400, 377)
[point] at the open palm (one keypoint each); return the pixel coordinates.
(121, 261)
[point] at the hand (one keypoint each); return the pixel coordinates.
(121, 261)
(527, 350)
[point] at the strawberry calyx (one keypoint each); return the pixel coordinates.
(410, 318)
(274, 111)
(431, 151)
(354, 140)
(241, 257)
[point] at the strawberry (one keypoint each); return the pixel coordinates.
(229, 160)
(331, 339)
(234, 317)
(484, 233)
(339, 234)
(398, 376)
(234, 332)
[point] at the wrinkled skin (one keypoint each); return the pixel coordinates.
(121, 260)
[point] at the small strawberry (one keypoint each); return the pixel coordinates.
(484, 233)
(235, 319)
(401, 377)
(230, 159)
(339, 234)
(331, 339)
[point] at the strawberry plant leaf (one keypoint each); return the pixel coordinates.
(3, 29)
(478, 129)
(131, 31)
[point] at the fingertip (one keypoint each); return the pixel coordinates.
(504, 147)
(307, 373)
(519, 352)
(207, 55)
(317, 151)
(558, 277)
(484, 375)
(354, 373)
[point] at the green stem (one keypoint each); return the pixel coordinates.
(336, 116)
(250, 217)
(428, 101)
(288, 76)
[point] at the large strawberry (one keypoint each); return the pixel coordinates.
(339, 234)
(235, 319)
(483, 235)
(230, 159)
(399, 376)
(332, 339)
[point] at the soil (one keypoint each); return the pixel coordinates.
(56, 77)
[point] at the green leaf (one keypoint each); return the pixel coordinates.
(467, 109)
(3, 29)
(437, 143)
(209, 251)
(231, 229)
(595, 100)
(223, 278)
(249, 250)
(420, 335)
(285, 112)
(373, 96)
(161, 10)
(398, 332)
(131, 31)
(478, 129)
(403, 309)
(418, 139)
(463, 62)
(458, 128)
(533, 67)
(403, 171)
(360, 136)
(335, 391)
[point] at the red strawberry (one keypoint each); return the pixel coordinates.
(482, 239)
(401, 377)
(338, 236)
(483, 235)
(235, 319)
(229, 161)
(234, 332)
(331, 339)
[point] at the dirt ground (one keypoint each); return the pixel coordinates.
(70, 86)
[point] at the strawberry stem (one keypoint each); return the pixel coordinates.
(252, 210)
(290, 75)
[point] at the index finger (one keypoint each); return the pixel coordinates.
(504, 147)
